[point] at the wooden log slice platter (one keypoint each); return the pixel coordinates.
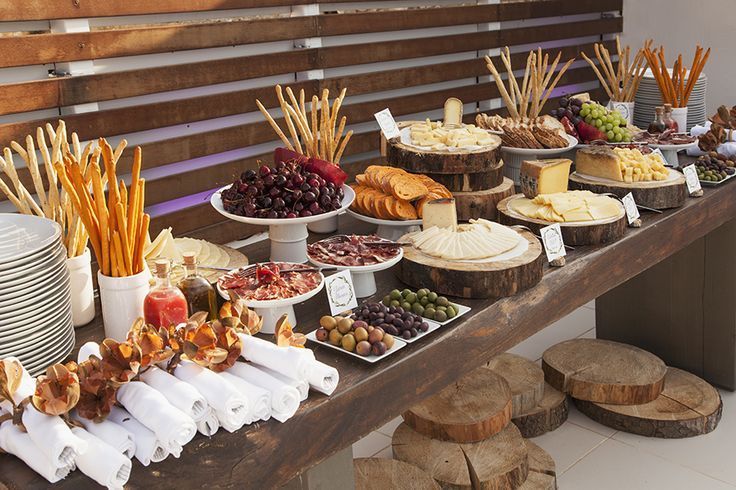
(604, 371)
(414, 160)
(474, 279)
(542, 470)
(474, 408)
(471, 181)
(482, 204)
(549, 414)
(525, 379)
(499, 463)
(574, 233)
(383, 473)
(688, 406)
(658, 194)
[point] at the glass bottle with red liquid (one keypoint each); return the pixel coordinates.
(670, 123)
(657, 126)
(197, 290)
(165, 304)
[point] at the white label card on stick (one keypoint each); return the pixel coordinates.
(387, 123)
(553, 243)
(632, 212)
(691, 179)
(340, 292)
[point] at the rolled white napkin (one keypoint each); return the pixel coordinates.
(285, 360)
(209, 424)
(49, 433)
(180, 394)
(175, 451)
(220, 395)
(18, 443)
(284, 398)
(171, 426)
(113, 434)
(148, 449)
(102, 462)
(259, 399)
(301, 385)
(320, 376)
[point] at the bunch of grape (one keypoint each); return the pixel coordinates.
(570, 108)
(283, 191)
(609, 122)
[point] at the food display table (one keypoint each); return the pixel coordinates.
(267, 455)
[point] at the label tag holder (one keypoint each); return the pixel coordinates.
(340, 292)
(691, 179)
(554, 245)
(632, 212)
(387, 124)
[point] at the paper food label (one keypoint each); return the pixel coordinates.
(340, 292)
(554, 245)
(691, 179)
(387, 123)
(632, 212)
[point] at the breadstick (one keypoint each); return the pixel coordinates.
(134, 189)
(118, 255)
(342, 146)
(601, 79)
(502, 88)
(9, 194)
(102, 215)
(287, 119)
(275, 126)
(141, 245)
(315, 128)
(123, 236)
(554, 84)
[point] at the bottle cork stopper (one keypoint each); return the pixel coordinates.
(190, 258)
(162, 267)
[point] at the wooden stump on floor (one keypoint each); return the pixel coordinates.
(525, 379)
(549, 414)
(498, 463)
(380, 474)
(688, 406)
(542, 470)
(604, 372)
(474, 408)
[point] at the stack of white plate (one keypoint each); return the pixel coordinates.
(35, 293)
(648, 97)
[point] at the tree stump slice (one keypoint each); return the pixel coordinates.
(483, 203)
(525, 379)
(382, 473)
(658, 195)
(603, 371)
(582, 233)
(474, 279)
(542, 469)
(548, 415)
(470, 410)
(498, 463)
(471, 181)
(688, 406)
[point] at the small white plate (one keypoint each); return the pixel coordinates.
(275, 303)
(385, 222)
(49, 262)
(52, 305)
(30, 259)
(33, 327)
(22, 235)
(572, 143)
(399, 343)
(20, 294)
(37, 303)
(361, 268)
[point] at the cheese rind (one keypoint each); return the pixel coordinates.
(598, 161)
(453, 112)
(441, 213)
(544, 176)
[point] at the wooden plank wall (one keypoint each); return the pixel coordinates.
(181, 78)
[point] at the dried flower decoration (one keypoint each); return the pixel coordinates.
(57, 392)
(97, 395)
(285, 335)
(237, 315)
(11, 374)
(212, 345)
(121, 361)
(153, 346)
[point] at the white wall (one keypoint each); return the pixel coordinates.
(679, 25)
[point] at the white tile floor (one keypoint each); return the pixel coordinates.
(591, 456)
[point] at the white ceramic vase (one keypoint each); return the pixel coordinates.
(122, 302)
(83, 296)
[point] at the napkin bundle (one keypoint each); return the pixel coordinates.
(180, 394)
(284, 397)
(113, 434)
(259, 400)
(18, 443)
(101, 462)
(148, 449)
(209, 424)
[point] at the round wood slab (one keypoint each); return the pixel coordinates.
(474, 279)
(482, 204)
(583, 233)
(688, 406)
(604, 371)
(414, 160)
(542, 470)
(658, 195)
(382, 473)
(499, 463)
(549, 414)
(525, 379)
(474, 408)
(475, 181)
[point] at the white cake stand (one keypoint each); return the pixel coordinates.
(363, 279)
(670, 151)
(512, 157)
(289, 235)
(389, 229)
(274, 309)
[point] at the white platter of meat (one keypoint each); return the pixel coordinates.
(272, 289)
(360, 254)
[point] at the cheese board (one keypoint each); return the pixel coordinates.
(589, 232)
(666, 194)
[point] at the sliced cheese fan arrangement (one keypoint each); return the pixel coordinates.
(567, 207)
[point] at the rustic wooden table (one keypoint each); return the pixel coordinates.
(267, 455)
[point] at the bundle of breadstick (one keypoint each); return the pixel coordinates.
(313, 134)
(622, 83)
(675, 85)
(50, 200)
(524, 128)
(116, 223)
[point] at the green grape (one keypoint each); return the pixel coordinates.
(609, 127)
(617, 130)
(598, 123)
(610, 135)
(595, 113)
(627, 138)
(584, 111)
(588, 119)
(618, 137)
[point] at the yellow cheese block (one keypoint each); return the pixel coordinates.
(598, 161)
(441, 213)
(453, 112)
(544, 176)
(567, 207)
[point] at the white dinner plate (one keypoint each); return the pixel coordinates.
(22, 235)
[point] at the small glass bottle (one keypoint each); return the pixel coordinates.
(669, 123)
(657, 126)
(197, 290)
(164, 305)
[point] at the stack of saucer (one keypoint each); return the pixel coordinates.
(35, 293)
(648, 97)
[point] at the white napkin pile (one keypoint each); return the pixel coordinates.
(116, 436)
(101, 462)
(148, 449)
(284, 397)
(209, 424)
(180, 394)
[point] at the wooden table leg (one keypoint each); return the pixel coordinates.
(334, 472)
(682, 309)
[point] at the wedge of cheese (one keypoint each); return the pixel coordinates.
(453, 112)
(599, 161)
(441, 213)
(544, 176)
(568, 207)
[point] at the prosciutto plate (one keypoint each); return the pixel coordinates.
(352, 251)
(270, 281)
